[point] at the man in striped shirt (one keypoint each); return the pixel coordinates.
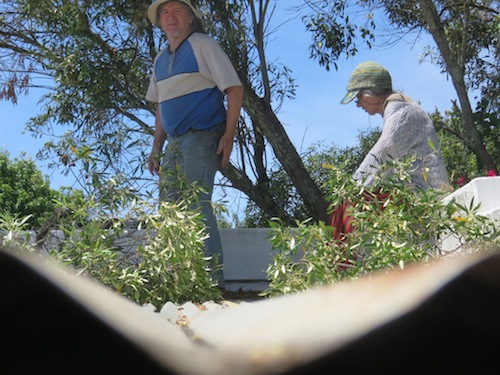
(191, 77)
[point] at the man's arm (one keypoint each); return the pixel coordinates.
(158, 142)
(234, 103)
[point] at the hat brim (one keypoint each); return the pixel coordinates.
(350, 96)
(153, 11)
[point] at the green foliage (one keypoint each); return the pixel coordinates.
(314, 158)
(472, 35)
(173, 265)
(167, 262)
(99, 56)
(467, 48)
(333, 32)
(146, 256)
(24, 191)
(14, 232)
(401, 227)
(487, 118)
(462, 164)
(303, 257)
(460, 161)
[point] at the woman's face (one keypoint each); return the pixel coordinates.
(371, 104)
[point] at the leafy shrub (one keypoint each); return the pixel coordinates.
(167, 262)
(159, 258)
(24, 191)
(172, 265)
(407, 226)
(14, 232)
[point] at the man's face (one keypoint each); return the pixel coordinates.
(175, 19)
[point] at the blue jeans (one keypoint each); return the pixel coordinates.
(192, 155)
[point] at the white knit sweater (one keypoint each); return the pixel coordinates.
(407, 130)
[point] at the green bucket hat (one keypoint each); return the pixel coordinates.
(367, 75)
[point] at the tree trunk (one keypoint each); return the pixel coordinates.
(260, 196)
(286, 153)
(456, 71)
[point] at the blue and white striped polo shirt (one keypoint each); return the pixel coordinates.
(189, 84)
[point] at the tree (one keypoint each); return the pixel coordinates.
(24, 190)
(450, 28)
(467, 37)
(99, 54)
(315, 158)
(284, 191)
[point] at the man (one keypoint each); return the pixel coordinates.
(189, 80)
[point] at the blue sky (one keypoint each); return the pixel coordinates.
(315, 115)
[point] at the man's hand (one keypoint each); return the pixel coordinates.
(158, 141)
(154, 163)
(225, 148)
(234, 102)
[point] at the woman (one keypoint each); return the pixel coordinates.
(407, 129)
(407, 132)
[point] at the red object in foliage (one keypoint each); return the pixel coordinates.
(341, 221)
(461, 181)
(492, 173)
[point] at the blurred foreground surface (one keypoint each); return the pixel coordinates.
(440, 317)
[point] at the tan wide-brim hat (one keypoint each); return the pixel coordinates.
(153, 10)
